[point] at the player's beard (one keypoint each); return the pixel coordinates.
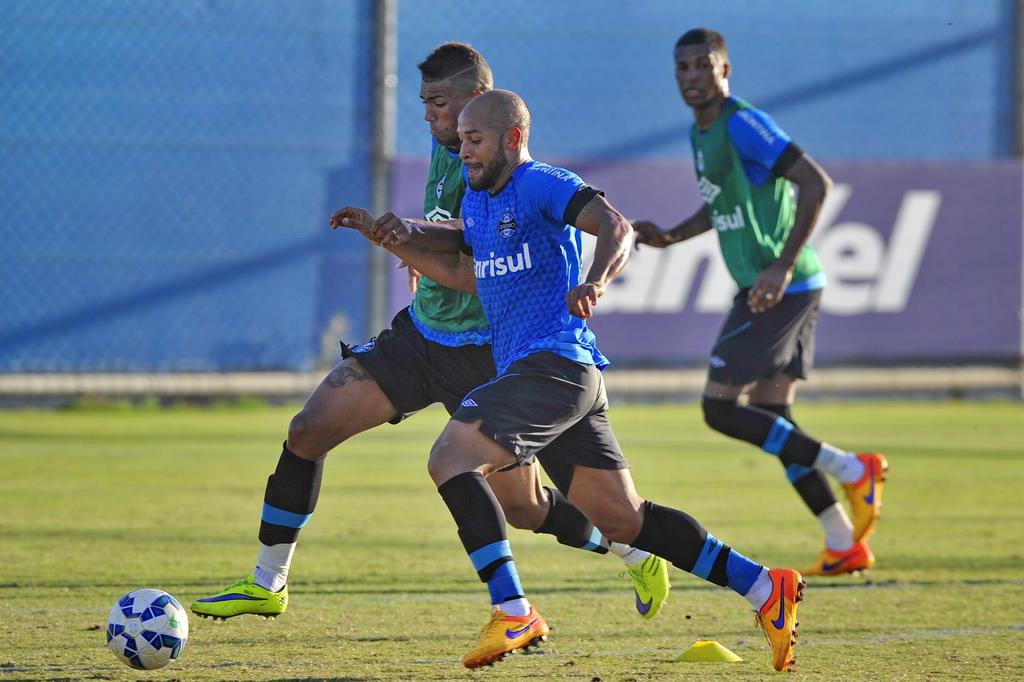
(491, 173)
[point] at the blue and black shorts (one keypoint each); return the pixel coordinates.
(414, 372)
(754, 346)
(550, 408)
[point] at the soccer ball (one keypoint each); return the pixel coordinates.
(147, 629)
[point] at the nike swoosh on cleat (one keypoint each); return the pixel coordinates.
(231, 597)
(870, 497)
(781, 620)
(825, 566)
(640, 605)
(516, 633)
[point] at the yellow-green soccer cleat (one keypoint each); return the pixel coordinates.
(243, 597)
(650, 585)
(504, 635)
(777, 618)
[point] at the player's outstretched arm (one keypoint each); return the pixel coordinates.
(614, 241)
(813, 183)
(453, 270)
(443, 235)
(450, 268)
(650, 234)
(352, 216)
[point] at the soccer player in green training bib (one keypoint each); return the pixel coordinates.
(437, 350)
(746, 169)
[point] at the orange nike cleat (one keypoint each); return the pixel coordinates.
(857, 558)
(865, 496)
(505, 634)
(777, 617)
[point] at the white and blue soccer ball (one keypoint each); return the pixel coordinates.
(147, 629)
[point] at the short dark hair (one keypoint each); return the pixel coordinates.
(700, 36)
(459, 61)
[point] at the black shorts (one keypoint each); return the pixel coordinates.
(755, 346)
(548, 403)
(414, 372)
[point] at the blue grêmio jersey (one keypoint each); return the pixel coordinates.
(526, 259)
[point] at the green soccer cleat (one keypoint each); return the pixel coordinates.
(650, 585)
(243, 597)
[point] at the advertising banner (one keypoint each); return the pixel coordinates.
(923, 262)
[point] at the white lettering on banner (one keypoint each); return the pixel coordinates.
(502, 265)
(910, 236)
(864, 273)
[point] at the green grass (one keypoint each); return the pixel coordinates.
(94, 503)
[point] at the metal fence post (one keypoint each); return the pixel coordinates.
(385, 82)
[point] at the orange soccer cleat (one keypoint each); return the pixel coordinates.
(865, 496)
(777, 617)
(857, 558)
(505, 634)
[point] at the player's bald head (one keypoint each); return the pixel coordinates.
(498, 110)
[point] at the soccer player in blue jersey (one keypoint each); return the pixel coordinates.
(747, 166)
(435, 351)
(520, 252)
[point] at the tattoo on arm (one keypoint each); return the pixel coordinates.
(345, 374)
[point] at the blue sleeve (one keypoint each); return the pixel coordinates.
(759, 141)
(552, 189)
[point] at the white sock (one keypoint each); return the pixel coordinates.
(842, 464)
(516, 607)
(272, 565)
(761, 590)
(631, 556)
(838, 529)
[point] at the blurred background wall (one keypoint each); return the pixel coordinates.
(168, 168)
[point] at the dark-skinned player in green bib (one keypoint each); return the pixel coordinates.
(436, 350)
(747, 168)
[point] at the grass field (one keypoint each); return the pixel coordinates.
(94, 503)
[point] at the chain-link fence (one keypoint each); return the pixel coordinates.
(167, 172)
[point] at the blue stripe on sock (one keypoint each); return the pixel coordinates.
(280, 517)
(504, 584)
(488, 554)
(595, 541)
(708, 553)
(778, 436)
(741, 572)
(794, 472)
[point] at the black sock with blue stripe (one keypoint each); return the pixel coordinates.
(290, 497)
(481, 525)
(570, 527)
(680, 538)
(810, 484)
(774, 434)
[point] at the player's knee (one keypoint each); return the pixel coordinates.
(524, 514)
(618, 524)
(440, 463)
(718, 414)
(456, 451)
(306, 437)
(623, 529)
